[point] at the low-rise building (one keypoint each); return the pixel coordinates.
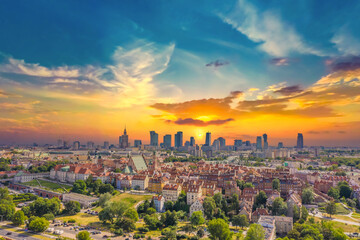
(171, 191)
(84, 200)
(159, 202)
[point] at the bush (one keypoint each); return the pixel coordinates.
(119, 231)
(49, 216)
(143, 229)
(71, 221)
(137, 236)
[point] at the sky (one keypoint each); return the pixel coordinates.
(83, 70)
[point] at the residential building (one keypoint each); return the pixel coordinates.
(171, 192)
(197, 206)
(159, 202)
(194, 192)
(140, 182)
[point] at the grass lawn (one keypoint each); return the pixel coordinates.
(345, 227)
(340, 210)
(48, 185)
(355, 215)
(11, 229)
(80, 218)
(131, 199)
(342, 217)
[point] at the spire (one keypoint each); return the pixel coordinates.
(125, 130)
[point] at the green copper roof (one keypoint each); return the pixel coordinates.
(139, 162)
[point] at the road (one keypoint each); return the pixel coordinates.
(15, 235)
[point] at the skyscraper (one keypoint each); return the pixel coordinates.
(192, 141)
(76, 145)
(106, 145)
(124, 140)
(280, 145)
(222, 142)
(300, 141)
(154, 138)
(216, 144)
(208, 139)
(258, 143)
(265, 141)
(238, 143)
(179, 139)
(137, 143)
(167, 141)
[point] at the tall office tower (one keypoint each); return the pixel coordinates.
(265, 141)
(90, 145)
(216, 144)
(280, 145)
(76, 145)
(300, 141)
(167, 141)
(66, 144)
(179, 139)
(208, 139)
(60, 143)
(137, 143)
(247, 143)
(154, 138)
(192, 141)
(238, 143)
(106, 145)
(258, 143)
(124, 140)
(187, 144)
(222, 142)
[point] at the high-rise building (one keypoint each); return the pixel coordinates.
(60, 143)
(192, 141)
(222, 142)
(124, 140)
(258, 143)
(208, 139)
(216, 144)
(154, 138)
(90, 145)
(167, 141)
(76, 145)
(280, 145)
(187, 144)
(265, 141)
(106, 145)
(137, 143)
(238, 143)
(300, 141)
(179, 139)
(247, 143)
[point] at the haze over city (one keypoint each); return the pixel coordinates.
(238, 69)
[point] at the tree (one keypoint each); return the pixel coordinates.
(79, 186)
(19, 218)
(240, 220)
(304, 213)
(39, 224)
(72, 207)
(276, 184)
(235, 203)
(126, 224)
(113, 210)
(219, 230)
(218, 199)
(132, 214)
(169, 233)
(334, 193)
(169, 218)
(260, 200)
(152, 211)
(104, 198)
(255, 232)
(344, 189)
(152, 221)
(83, 235)
(296, 213)
(197, 218)
(279, 207)
(169, 205)
(96, 185)
(209, 206)
(89, 181)
(106, 188)
(330, 208)
(307, 196)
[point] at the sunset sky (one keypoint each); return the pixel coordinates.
(82, 70)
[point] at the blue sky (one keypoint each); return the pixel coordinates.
(193, 50)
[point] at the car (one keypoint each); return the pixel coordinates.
(8, 233)
(105, 236)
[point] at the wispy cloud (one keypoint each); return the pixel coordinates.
(274, 36)
(217, 63)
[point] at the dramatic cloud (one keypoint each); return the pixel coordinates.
(345, 42)
(290, 90)
(200, 123)
(217, 63)
(344, 64)
(274, 36)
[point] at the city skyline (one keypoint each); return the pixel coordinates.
(166, 67)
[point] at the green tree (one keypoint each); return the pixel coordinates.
(296, 213)
(132, 214)
(279, 207)
(344, 189)
(255, 232)
(72, 207)
(197, 218)
(218, 199)
(307, 196)
(219, 230)
(83, 235)
(39, 224)
(304, 213)
(209, 206)
(152, 221)
(169, 218)
(18, 218)
(106, 188)
(276, 184)
(89, 181)
(330, 208)
(260, 200)
(334, 193)
(126, 224)
(240, 220)
(79, 186)
(235, 203)
(104, 198)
